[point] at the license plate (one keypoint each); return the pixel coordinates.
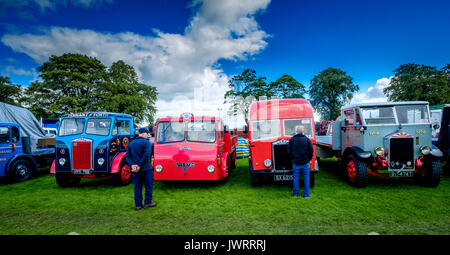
(185, 164)
(283, 177)
(81, 171)
(401, 173)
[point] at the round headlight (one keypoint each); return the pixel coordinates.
(62, 161)
(158, 168)
(267, 162)
(211, 168)
(379, 151)
(100, 161)
(425, 150)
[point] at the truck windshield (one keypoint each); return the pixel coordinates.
(97, 126)
(201, 131)
(4, 135)
(72, 126)
(170, 131)
(378, 115)
(289, 127)
(412, 114)
(265, 129)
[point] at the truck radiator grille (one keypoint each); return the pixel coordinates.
(401, 152)
(281, 158)
(81, 154)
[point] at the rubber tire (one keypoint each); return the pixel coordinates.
(255, 180)
(117, 178)
(312, 180)
(362, 176)
(434, 173)
(225, 179)
(15, 167)
(65, 180)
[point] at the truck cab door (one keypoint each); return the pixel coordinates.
(6, 151)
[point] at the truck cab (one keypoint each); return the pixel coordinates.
(392, 139)
(192, 147)
(271, 125)
(92, 145)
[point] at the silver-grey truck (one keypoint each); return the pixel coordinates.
(391, 139)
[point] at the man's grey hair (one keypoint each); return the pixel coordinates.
(299, 129)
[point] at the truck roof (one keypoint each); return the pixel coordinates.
(97, 114)
(8, 124)
(383, 104)
(287, 108)
(191, 117)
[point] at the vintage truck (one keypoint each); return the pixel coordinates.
(92, 145)
(24, 146)
(271, 124)
(192, 147)
(389, 139)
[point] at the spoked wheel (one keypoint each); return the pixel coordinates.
(124, 176)
(356, 170)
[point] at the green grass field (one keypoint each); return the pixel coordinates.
(386, 206)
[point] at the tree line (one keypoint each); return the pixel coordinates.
(73, 83)
(332, 88)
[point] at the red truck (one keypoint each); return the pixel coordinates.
(270, 127)
(192, 147)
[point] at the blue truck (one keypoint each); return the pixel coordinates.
(92, 145)
(24, 145)
(18, 162)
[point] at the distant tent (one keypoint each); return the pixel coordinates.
(29, 125)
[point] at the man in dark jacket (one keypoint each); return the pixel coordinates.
(301, 151)
(138, 156)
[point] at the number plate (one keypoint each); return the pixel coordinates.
(81, 171)
(283, 177)
(185, 164)
(401, 173)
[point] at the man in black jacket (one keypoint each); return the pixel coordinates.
(301, 151)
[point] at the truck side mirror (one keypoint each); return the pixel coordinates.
(245, 129)
(225, 129)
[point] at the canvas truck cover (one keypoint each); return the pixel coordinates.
(29, 125)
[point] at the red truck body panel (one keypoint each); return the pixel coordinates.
(190, 160)
(276, 110)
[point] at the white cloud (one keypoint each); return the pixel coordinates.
(177, 64)
(373, 93)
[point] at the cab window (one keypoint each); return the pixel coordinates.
(15, 136)
(121, 127)
(98, 126)
(4, 135)
(349, 117)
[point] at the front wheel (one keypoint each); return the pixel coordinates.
(65, 180)
(430, 175)
(356, 171)
(124, 176)
(21, 170)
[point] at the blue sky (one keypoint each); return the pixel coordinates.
(209, 41)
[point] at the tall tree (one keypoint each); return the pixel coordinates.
(414, 82)
(244, 89)
(125, 94)
(69, 84)
(287, 87)
(10, 93)
(330, 90)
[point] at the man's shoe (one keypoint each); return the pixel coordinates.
(138, 208)
(307, 197)
(152, 204)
